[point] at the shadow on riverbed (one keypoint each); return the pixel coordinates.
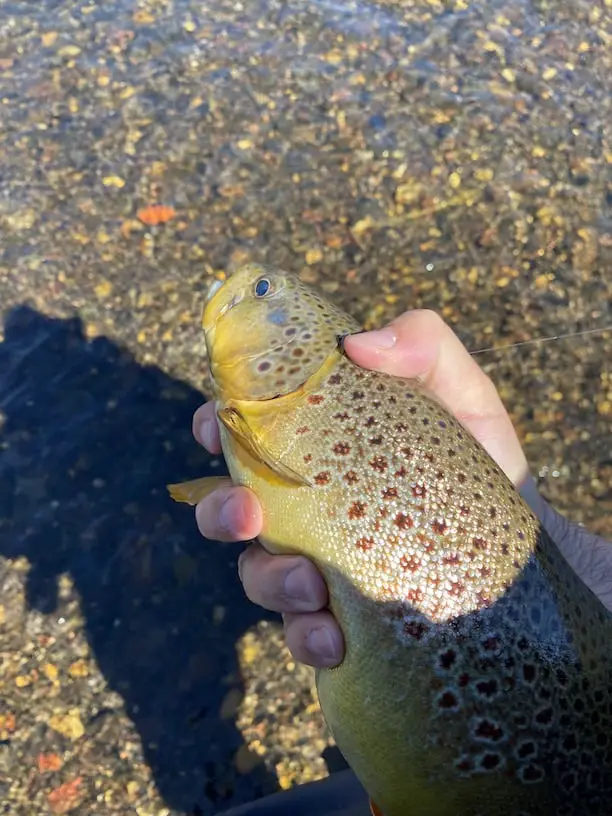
(90, 438)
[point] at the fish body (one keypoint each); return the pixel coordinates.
(477, 675)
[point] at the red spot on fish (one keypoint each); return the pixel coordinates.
(410, 563)
(439, 526)
(408, 452)
(465, 511)
(304, 429)
(389, 493)
(351, 477)
(322, 478)
(457, 589)
(480, 543)
(379, 463)
(366, 543)
(420, 491)
(403, 521)
(342, 415)
(454, 558)
(414, 595)
(399, 474)
(375, 440)
(341, 448)
(315, 399)
(357, 510)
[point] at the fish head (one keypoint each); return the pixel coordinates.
(267, 332)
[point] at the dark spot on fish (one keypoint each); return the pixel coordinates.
(448, 700)
(389, 493)
(415, 629)
(480, 543)
(308, 457)
(264, 366)
(335, 379)
(439, 526)
(487, 688)
(529, 672)
(461, 478)
(351, 477)
(448, 659)
(370, 421)
(399, 474)
(304, 429)
(490, 761)
(375, 440)
(322, 478)
(341, 448)
(544, 716)
(419, 491)
(532, 773)
(357, 395)
(488, 730)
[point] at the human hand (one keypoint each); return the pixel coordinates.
(418, 345)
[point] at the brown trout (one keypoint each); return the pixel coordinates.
(477, 677)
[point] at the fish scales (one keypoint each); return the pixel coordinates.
(477, 674)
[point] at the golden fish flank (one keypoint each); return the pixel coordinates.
(477, 676)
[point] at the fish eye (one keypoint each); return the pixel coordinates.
(262, 287)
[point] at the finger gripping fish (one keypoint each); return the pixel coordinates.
(477, 676)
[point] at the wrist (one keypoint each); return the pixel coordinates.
(588, 554)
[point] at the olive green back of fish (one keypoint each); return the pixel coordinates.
(477, 670)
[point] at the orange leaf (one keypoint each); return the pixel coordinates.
(67, 796)
(49, 762)
(155, 214)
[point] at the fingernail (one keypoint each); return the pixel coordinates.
(296, 585)
(321, 643)
(377, 339)
(206, 433)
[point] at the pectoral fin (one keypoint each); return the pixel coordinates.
(236, 423)
(197, 489)
(375, 810)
